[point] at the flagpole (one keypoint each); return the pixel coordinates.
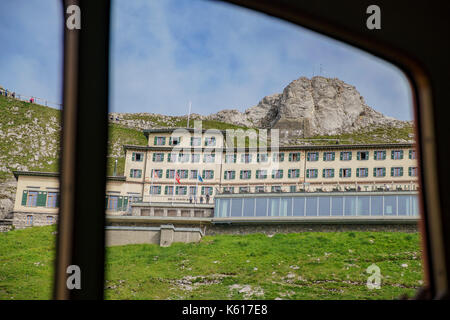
(173, 190)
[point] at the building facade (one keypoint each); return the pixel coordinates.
(189, 165)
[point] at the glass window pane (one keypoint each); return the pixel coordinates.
(285, 207)
(376, 205)
(350, 206)
(415, 206)
(249, 207)
(261, 207)
(390, 205)
(236, 207)
(404, 205)
(324, 206)
(311, 206)
(337, 204)
(274, 204)
(299, 206)
(363, 208)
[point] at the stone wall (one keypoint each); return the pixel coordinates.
(21, 220)
(269, 229)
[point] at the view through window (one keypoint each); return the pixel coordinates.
(248, 158)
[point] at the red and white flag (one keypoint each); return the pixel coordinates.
(177, 177)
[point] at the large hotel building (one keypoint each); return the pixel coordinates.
(193, 166)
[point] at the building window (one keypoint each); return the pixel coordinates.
(196, 141)
(260, 189)
(168, 190)
(160, 141)
(183, 157)
(292, 188)
(246, 158)
(396, 171)
(155, 189)
(32, 198)
(311, 173)
(137, 156)
(113, 203)
(313, 156)
(412, 171)
(210, 141)
(157, 173)
(346, 155)
(261, 174)
(52, 199)
(174, 141)
(328, 156)
(183, 174)
(345, 172)
(412, 154)
(50, 220)
(397, 154)
(209, 158)
(379, 172)
(278, 157)
(362, 172)
(207, 190)
(328, 173)
(170, 173)
(262, 157)
(208, 174)
(293, 173)
(29, 220)
(276, 188)
(172, 157)
(230, 158)
(135, 173)
(228, 189)
(158, 157)
(245, 174)
(195, 158)
(379, 155)
(194, 174)
(363, 155)
(277, 174)
(294, 156)
(229, 174)
(244, 189)
(181, 190)
(192, 190)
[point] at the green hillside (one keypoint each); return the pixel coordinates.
(308, 265)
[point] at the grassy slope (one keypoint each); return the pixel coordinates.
(289, 266)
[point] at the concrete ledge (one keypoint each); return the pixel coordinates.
(150, 219)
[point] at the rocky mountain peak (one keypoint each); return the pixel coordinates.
(316, 106)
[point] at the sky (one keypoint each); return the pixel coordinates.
(166, 53)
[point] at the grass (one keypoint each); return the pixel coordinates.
(307, 265)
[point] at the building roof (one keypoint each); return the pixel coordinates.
(281, 148)
(54, 174)
(170, 130)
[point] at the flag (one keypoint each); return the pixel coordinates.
(200, 178)
(177, 177)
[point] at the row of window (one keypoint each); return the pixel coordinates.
(29, 220)
(181, 190)
(276, 157)
(46, 199)
(174, 141)
(276, 174)
(120, 203)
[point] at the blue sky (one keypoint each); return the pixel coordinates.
(166, 53)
